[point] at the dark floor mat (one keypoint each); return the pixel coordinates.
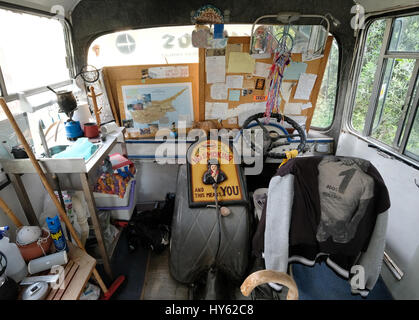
(321, 283)
(132, 265)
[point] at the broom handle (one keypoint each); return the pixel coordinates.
(47, 186)
(10, 214)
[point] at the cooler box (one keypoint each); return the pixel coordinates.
(123, 212)
(113, 200)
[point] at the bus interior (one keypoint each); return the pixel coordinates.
(232, 150)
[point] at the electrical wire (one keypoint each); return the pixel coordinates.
(217, 209)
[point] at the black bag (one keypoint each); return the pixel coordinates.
(151, 228)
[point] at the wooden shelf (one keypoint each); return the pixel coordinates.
(77, 272)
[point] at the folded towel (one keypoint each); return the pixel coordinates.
(82, 148)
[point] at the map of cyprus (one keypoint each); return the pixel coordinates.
(156, 111)
(157, 103)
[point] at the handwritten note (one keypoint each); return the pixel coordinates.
(168, 72)
(215, 69)
(235, 82)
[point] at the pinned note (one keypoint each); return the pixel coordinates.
(262, 69)
(292, 108)
(240, 62)
(307, 105)
(285, 89)
(215, 69)
(234, 95)
(232, 120)
(294, 70)
(305, 86)
(167, 72)
(235, 82)
(216, 110)
(248, 83)
(232, 47)
(219, 91)
(260, 98)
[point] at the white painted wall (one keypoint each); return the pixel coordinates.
(154, 181)
(36, 193)
(403, 225)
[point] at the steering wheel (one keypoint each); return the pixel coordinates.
(270, 138)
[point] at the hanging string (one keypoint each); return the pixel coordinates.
(282, 58)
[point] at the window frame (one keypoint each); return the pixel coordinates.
(325, 129)
(394, 150)
(69, 56)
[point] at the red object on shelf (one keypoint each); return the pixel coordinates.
(91, 130)
(119, 161)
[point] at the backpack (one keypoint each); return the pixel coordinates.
(151, 228)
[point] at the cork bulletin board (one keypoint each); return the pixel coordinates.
(316, 67)
(132, 75)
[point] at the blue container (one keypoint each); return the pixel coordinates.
(57, 235)
(73, 129)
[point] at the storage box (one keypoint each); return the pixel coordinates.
(124, 212)
(112, 200)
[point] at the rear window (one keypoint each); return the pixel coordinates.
(150, 46)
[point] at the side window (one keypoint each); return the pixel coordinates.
(33, 55)
(386, 101)
(325, 107)
(32, 52)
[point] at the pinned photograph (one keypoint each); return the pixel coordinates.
(247, 92)
(128, 123)
(144, 74)
(260, 84)
(140, 103)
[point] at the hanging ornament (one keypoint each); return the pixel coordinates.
(208, 14)
(282, 58)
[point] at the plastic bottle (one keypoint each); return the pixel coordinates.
(16, 266)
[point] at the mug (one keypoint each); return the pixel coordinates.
(91, 130)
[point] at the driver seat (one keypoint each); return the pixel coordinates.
(294, 204)
(194, 241)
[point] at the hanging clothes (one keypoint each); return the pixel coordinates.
(334, 207)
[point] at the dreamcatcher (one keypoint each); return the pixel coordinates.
(88, 73)
(282, 57)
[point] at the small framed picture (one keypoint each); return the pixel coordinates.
(260, 84)
(128, 123)
(144, 74)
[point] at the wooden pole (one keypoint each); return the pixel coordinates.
(10, 214)
(96, 110)
(47, 186)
